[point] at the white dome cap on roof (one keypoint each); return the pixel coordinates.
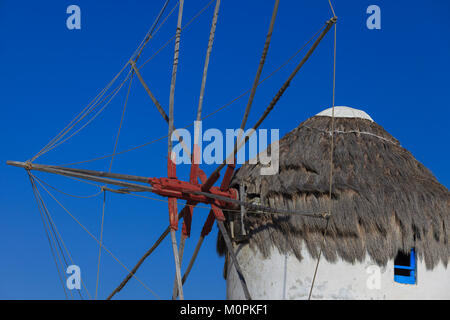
(345, 112)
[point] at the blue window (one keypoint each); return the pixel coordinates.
(405, 267)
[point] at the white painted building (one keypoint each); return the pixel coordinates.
(389, 233)
(283, 277)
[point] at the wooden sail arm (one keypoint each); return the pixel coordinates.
(166, 187)
(181, 190)
(96, 176)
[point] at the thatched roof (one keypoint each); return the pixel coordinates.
(383, 199)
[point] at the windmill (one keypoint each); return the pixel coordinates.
(198, 189)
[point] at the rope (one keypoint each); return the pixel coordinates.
(328, 25)
(260, 68)
(68, 194)
(254, 87)
(55, 228)
(100, 245)
(331, 168)
(257, 209)
(51, 237)
(113, 94)
(353, 131)
(48, 237)
(212, 33)
(57, 234)
(136, 267)
(165, 19)
(174, 75)
(91, 106)
(171, 128)
(72, 124)
(93, 237)
(149, 34)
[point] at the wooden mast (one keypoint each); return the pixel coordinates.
(171, 157)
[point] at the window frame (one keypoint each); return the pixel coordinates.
(412, 278)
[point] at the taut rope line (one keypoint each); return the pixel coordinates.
(331, 168)
(104, 192)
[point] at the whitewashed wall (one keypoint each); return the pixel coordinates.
(284, 277)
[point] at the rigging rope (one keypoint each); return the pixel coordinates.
(60, 141)
(69, 194)
(331, 167)
(93, 237)
(243, 94)
(52, 238)
(212, 33)
(173, 37)
(100, 245)
(149, 33)
(48, 236)
(72, 124)
(104, 192)
(54, 225)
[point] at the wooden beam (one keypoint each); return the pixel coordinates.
(208, 54)
(170, 153)
(98, 176)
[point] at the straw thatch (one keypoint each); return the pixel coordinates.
(383, 199)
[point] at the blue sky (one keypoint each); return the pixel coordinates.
(398, 75)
